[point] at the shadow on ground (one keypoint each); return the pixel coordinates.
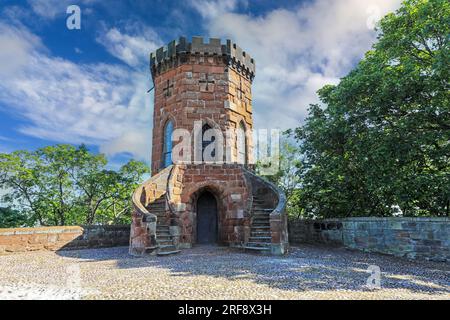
(306, 268)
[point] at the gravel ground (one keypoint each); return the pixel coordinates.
(309, 272)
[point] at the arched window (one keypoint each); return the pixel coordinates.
(241, 144)
(167, 144)
(206, 143)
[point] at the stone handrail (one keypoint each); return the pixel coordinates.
(281, 205)
(137, 194)
(173, 171)
(143, 237)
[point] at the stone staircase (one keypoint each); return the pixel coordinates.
(268, 220)
(155, 228)
(150, 229)
(260, 235)
(164, 240)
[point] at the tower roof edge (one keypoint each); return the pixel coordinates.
(235, 55)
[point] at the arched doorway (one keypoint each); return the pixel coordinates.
(206, 218)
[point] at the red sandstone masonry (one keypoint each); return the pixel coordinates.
(207, 84)
(60, 238)
(195, 179)
(191, 102)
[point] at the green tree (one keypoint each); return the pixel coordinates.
(287, 177)
(381, 143)
(67, 185)
(10, 218)
(118, 207)
(19, 175)
(56, 188)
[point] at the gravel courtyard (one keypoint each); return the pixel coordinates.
(217, 273)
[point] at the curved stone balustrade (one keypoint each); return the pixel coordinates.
(144, 222)
(273, 207)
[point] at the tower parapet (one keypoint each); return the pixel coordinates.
(176, 53)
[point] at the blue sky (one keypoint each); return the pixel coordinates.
(89, 86)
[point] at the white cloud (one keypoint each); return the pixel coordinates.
(16, 46)
(50, 9)
(132, 49)
(99, 104)
(213, 8)
(298, 51)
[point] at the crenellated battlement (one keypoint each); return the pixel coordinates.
(174, 53)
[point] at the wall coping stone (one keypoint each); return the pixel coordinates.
(59, 229)
(357, 219)
(37, 230)
(423, 219)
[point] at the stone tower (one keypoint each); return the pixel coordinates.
(205, 82)
(203, 90)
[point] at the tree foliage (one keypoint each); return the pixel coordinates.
(67, 185)
(287, 177)
(381, 143)
(10, 218)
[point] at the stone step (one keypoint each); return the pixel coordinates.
(258, 195)
(262, 212)
(156, 208)
(157, 205)
(261, 218)
(162, 226)
(259, 203)
(262, 209)
(256, 236)
(165, 242)
(260, 233)
(167, 248)
(260, 225)
(258, 244)
(259, 228)
(159, 202)
(261, 215)
(167, 253)
(163, 235)
(260, 239)
(248, 247)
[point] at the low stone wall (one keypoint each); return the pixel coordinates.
(327, 232)
(62, 238)
(414, 238)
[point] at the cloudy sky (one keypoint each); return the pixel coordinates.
(90, 85)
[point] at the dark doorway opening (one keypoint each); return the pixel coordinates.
(206, 218)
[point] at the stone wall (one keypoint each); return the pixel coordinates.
(199, 89)
(62, 238)
(228, 184)
(414, 238)
(327, 232)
